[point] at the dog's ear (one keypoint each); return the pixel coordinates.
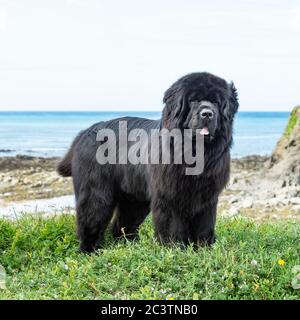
(232, 104)
(176, 107)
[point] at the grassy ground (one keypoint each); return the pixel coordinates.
(249, 261)
(292, 121)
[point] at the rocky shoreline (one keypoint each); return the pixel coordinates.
(254, 192)
(29, 178)
(251, 192)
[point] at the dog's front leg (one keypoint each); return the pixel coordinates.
(203, 225)
(170, 225)
(161, 221)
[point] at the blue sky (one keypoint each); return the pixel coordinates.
(120, 55)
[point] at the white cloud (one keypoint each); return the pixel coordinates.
(124, 54)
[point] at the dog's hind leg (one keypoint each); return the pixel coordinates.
(94, 210)
(129, 216)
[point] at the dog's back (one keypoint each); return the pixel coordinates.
(64, 167)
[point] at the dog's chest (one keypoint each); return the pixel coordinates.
(185, 192)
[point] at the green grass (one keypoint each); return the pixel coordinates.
(42, 262)
(292, 121)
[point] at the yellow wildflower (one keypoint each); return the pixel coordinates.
(281, 262)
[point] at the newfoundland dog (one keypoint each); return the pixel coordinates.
(184, 206)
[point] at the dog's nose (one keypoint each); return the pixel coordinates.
(206, 114)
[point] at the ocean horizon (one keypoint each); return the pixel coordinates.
(49, 133)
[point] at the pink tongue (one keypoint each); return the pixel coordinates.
(204, 132)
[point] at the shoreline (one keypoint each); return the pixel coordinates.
(31, 178)
(22, 160)
(31, 184)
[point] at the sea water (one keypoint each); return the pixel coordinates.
(49, 134)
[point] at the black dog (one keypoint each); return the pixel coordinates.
(183, 206)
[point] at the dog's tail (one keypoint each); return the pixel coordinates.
(64, 167)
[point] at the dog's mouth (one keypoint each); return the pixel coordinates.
(207, 134)
(204, 131)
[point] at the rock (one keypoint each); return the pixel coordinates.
(37, 184)
(253, 162)
(7, 194)
(288, 192)
(25, 162)
(233, 200)
(284, 163)
(6, 179)
(294, 201)
(247, 203)
(233, 180)
(27, 181)
(233, 211)
(273, 202)
(296, 208)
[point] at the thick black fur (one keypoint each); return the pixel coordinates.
(184, 207)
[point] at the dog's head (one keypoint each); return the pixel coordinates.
(201, 101)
